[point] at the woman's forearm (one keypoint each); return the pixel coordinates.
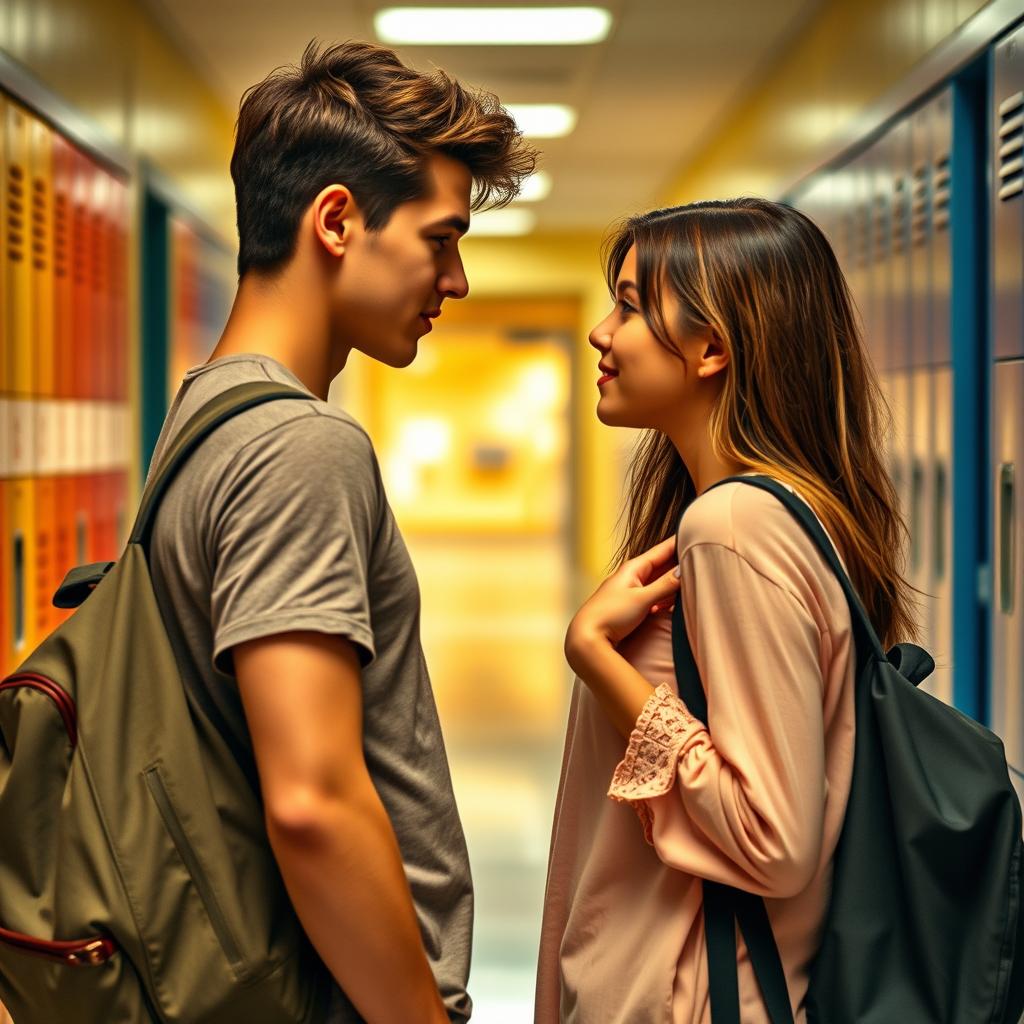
(619, 688)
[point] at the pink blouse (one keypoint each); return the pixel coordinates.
(756, 801)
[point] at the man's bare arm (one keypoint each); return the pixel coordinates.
(329, 831)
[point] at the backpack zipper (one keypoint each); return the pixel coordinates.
(65, 705)
(162, 799)
(74, 953)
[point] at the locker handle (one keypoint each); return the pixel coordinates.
(1007, 537)
(939, 507)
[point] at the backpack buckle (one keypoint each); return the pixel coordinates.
(80, 583)
(92, 955)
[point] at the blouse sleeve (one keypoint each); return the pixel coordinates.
(741, 802)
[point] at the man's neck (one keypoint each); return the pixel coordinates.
(281, 319)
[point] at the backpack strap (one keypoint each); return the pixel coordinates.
(724, 905)
(201, 424)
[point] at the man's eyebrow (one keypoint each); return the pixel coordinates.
(458, 223)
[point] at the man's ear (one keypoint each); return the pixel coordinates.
(334, 211)
(714, 357)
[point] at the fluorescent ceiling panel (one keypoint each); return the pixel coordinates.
(543, 120)
(492, 26)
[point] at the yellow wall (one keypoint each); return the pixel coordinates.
(845, 60)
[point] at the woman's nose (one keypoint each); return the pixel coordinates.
(600, 338)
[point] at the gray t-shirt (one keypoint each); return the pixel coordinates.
(279, 522)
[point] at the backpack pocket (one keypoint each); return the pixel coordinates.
(44, 980)
(172, 822)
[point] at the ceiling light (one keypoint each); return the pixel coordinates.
(536, 187)
(492, 26)
(543, 120)
(512, 220)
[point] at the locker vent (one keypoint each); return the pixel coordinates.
(38, 224)
(78, 242)
(97, 237)
(899, 216)
(919, 206)
(1010, 143)
(15, 212)
(940, 193)
(879, 228)
(60, 234)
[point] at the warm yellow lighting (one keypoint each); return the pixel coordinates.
(536, 187)
(513, 220)
(492, 26)
(543, 120)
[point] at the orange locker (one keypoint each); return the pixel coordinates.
(45, 425)
(6, 582)
(121, 394)
(82, 454)
(102, 546)
(65, 553)
(21, 489)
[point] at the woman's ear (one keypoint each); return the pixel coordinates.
(333, 214)
(714, 357)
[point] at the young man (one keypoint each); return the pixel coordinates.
(277, 563)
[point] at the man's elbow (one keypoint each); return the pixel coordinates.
(305, 815)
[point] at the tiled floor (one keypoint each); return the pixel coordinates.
(494, 617)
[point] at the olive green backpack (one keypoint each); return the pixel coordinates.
(124, 895)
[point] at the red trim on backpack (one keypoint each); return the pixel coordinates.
(56, 693)
(74, 953)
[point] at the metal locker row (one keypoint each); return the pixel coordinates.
(63, 371)
(886, 213)
(1007, 303)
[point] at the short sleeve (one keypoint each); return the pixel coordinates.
(293, 525)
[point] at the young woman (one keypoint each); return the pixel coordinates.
(734, 341)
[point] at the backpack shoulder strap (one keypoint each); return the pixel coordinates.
(867, 641)
(202, 423)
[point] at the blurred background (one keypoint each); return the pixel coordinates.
(897, 124)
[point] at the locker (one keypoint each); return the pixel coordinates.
(21, 489)
(64, 345)
(1008, 205)
(1008, 578)
(82, 346)
(43, 343)
(6, 578)
(880, 186)
(941, 400)
(918, 311)
(897, 286)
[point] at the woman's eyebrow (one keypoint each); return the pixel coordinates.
(623, 285)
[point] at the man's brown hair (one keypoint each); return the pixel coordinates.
(354, 114)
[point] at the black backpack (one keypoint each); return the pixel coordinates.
(924, 924)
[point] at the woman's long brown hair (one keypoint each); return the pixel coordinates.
(800, 401)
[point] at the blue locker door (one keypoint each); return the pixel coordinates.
(940, 555)
(1008, 577)
(919, 308)
(1008, 205)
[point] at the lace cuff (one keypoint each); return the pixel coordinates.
(649, 767)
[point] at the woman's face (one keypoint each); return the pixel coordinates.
(641, 383)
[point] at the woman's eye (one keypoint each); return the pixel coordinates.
(625, 307)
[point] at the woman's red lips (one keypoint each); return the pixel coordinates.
(607, 377)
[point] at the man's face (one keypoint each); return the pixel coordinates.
(393, 281)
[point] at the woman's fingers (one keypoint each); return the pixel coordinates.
(647, 563)
(664, 586)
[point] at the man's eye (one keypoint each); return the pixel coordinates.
(441, 240)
